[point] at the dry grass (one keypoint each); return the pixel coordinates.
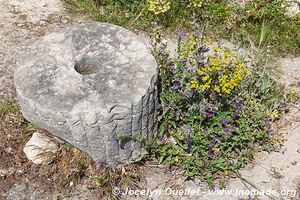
(15, 131)
(68, 166)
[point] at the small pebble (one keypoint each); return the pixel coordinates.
(71, 183)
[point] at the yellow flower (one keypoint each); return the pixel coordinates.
(221, 71)
(208, 69)
(159, 6)
(274, 114)
(274, 140)
(237, 62)
(207, 42)
(196, 3)
(205, 86)
(227, 91)
(200, 72)
(215, 151)
(205, 78)
(227, 54)
(217, 89)
(279, 139)
(193, 84)
(75, 151)
(216, 49)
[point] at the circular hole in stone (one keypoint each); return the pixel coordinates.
(86, 65)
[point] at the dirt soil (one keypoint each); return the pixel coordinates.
(24, 22)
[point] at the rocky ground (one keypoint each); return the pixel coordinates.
(21, 24)
(24, 22)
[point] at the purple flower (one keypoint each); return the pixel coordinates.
(234, 127)
(180, 33)
(171, 64)
(189, 69)
(267, 122)
(269, 131)
(188, 142)
(238, 105)
(161, 138)
(165, 127)
(162, 51)
(174, 113)
(182, 95)
(175, 86)
(210, 153)
(255, 142)
(234, 115)
(224, 121)
(184, 61)
(226, 130)
(208, 114)
(152, 151)
(212, 143)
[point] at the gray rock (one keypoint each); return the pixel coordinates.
(90, 84)
(292, 7)
(40, 148)
(18, 191)
(25, 189)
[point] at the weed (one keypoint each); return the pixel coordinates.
(7, 106)
(71, 164)
(113, 181)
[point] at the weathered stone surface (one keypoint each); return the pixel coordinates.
(292, 7)
(89, 84)
(39, 148)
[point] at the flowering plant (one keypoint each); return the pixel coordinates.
(159, 6)
(211, 122)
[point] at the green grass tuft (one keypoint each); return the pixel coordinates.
(7, 106)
